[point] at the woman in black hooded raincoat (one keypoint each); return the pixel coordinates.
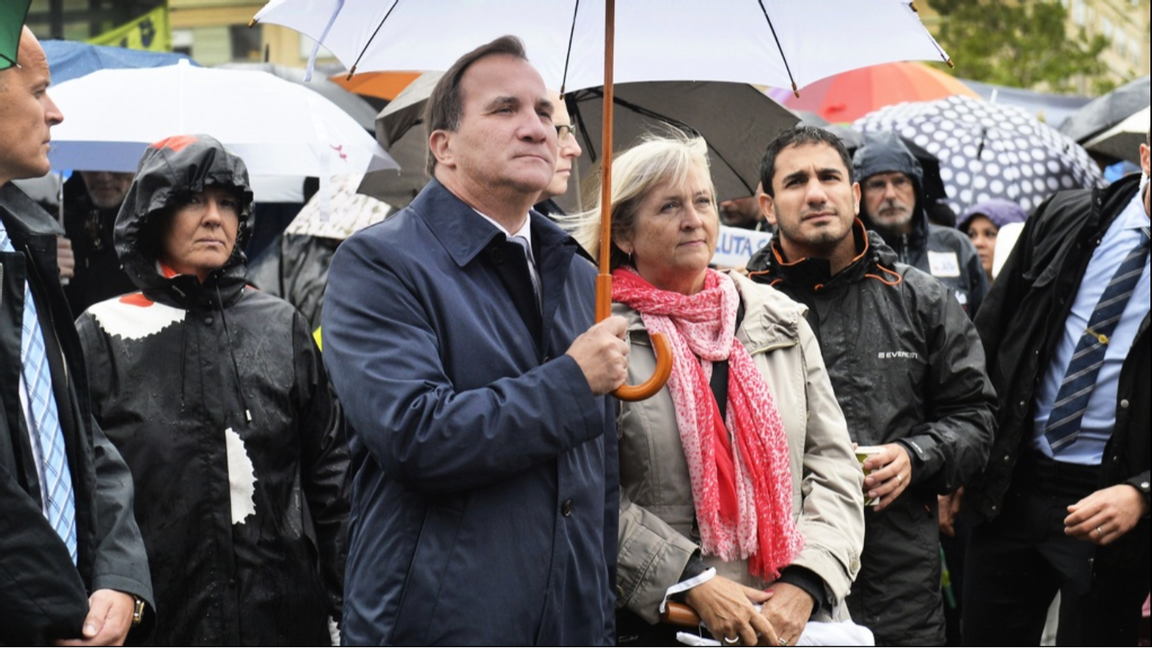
(216, 396)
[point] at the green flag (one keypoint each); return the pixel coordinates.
(12, 15)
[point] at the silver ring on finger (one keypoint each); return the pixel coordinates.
(1099, 532)
(899, 479)
(781, 641)
(732, 641)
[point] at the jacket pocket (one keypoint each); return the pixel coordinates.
(427, 575)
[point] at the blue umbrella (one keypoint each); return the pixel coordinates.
(71, 59)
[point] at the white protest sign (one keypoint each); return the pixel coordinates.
(734, 246)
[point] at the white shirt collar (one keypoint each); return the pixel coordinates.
(524, 232)
(1134, 216)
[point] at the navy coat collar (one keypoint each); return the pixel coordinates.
(464, 234)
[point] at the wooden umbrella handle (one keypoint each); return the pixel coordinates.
(660, 345)
(678, 614)
(604, 279)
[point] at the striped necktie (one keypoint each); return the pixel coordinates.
(527, 247)
(1080, 377)
(44, 420)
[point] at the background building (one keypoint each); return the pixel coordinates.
(210, 31)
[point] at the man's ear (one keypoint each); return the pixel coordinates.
(440, 143)
(768, 208)
(856, 198)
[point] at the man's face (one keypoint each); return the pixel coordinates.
(107, 189)
(569, 150)
(740, 212)
(200, 235)
(814, 204)
(889, 200)
(26, 114)
(506, 141)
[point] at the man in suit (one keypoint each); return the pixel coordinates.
(460, 339)
(72, 565)
(1064, 497)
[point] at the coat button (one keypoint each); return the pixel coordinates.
(208, 321)
(1144, 486)
(566, 508)
(1123, 403)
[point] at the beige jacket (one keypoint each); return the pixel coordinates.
(656, 509)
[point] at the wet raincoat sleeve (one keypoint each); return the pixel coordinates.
(120, 562)
(54, 603)
(652, 558)
(831, 514)
(323, 464)
(952, 444)
(431, 386)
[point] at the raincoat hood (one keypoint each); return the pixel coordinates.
(1000, 212)
(884, 152)
(169, 172)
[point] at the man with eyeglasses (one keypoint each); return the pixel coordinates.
(893, 204)
(459, 337)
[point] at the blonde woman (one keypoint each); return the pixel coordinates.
(739, 487)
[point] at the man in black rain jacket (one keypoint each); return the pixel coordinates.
(1073, 520)
(906, 366)
(93, 587)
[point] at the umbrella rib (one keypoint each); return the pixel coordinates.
(787, 68)
(568, 53)
(372, 37)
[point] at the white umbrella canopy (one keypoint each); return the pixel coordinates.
(277, 127)
(1123, 140)
(778, 43)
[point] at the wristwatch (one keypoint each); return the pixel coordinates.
(137, 611)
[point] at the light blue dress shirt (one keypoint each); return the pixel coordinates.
(1100, 417)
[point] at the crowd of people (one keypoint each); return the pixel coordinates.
(179, 463)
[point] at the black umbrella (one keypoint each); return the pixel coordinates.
(1104, 112)
(735, 119)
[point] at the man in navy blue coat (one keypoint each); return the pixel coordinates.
(459, 336)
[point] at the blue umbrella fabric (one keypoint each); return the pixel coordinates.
(71, 59)
(988, 150)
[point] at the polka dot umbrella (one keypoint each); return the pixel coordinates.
(989, 150)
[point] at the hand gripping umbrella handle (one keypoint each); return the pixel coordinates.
(660, 345)
(604, 280)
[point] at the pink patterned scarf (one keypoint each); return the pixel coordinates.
(742, 490)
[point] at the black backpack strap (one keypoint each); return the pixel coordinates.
(719, 382)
